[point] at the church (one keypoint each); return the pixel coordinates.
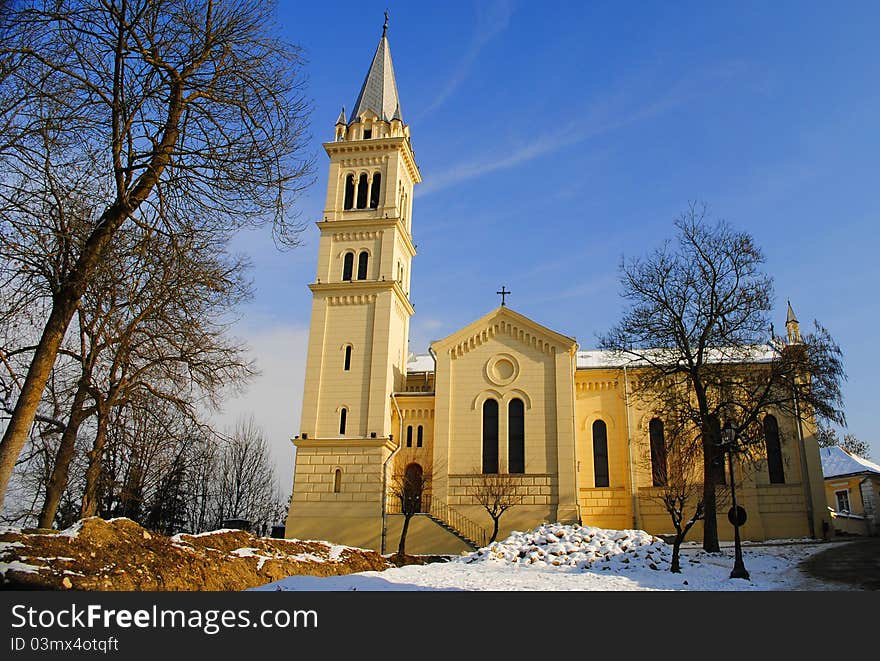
(504, 395)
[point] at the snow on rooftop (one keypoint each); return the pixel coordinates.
(422, 362)
(837, 461)
(599, 358)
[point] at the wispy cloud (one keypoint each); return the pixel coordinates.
(494, 19)
(600, 117)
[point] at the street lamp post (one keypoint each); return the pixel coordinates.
(739, 569)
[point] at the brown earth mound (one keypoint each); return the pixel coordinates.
(118, 554)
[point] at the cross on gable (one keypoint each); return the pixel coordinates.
(504, 294)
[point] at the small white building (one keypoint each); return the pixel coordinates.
(852, 488)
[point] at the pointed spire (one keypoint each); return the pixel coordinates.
(397, 114)
(379, 91)
(792, 326)
(341, 119)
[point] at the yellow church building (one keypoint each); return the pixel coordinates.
(502, 395)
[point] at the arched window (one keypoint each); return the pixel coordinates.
(349, 192)
(516, 437)
(374, 190)
(363, 259)
(600, 453)
(658, 453)
(343, 414)
(363, 184)
(420, 436)
(347, 364)
(774, 450)
(347, 265)
(409, 436)
(337, 481)
(490, 436)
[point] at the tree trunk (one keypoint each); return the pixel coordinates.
(74, 286)
(494, 529)
(710, 521)
(66, 449)
(93, 474)
(675, 567)
(16, 434)
(401, 547)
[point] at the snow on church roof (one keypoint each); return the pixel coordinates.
(422, 362)
(598, 359)
(837, 461)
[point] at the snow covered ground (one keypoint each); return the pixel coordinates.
(559, 557)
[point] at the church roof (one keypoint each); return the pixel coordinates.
(601, 359)
(837, 462)
(790, 316)
(379, 91)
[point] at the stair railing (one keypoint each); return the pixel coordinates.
(465, 527)
(455, 519)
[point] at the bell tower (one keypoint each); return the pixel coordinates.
(358, 337)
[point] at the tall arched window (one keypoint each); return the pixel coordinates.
(409, 436)
(349, 192)
(658, 453)
(600, 453)
(347, 265)
(717, 469)
(337, 481)
(420, 436)
(774, 450)
(363, 185)
(516, 441)
(490, 436)
(347, 363)
(363, 260)
(374, 191)
(343, 414)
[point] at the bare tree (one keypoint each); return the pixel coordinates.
(678, 483)
(699, 313)
(410, 485)
(497, 493)
(246, 476)
(169, 114)
(828, 437)
(154, 319)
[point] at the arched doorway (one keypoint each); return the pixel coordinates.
(413, 486)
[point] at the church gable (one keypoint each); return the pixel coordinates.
(504, 323)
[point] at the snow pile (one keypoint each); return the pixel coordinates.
(579, 547)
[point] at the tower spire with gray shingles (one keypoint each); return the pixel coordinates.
(792, 326)
(379, 91)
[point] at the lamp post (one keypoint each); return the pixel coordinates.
(739, 569)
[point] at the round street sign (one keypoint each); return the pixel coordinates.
(737, 517)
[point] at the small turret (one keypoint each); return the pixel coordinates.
(792, 326)
(340, 126)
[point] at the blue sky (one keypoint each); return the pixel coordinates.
(555, 138)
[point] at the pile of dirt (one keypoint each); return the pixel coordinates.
(118, 554)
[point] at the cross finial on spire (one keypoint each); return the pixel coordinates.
(385, 27)
(504, 294)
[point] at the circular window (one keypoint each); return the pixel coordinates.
(502, 369)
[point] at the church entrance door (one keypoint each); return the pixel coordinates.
(413, 485)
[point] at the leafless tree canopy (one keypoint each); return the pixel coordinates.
(497, 493)
(185, 119)
(828, 437)
(698, 328)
